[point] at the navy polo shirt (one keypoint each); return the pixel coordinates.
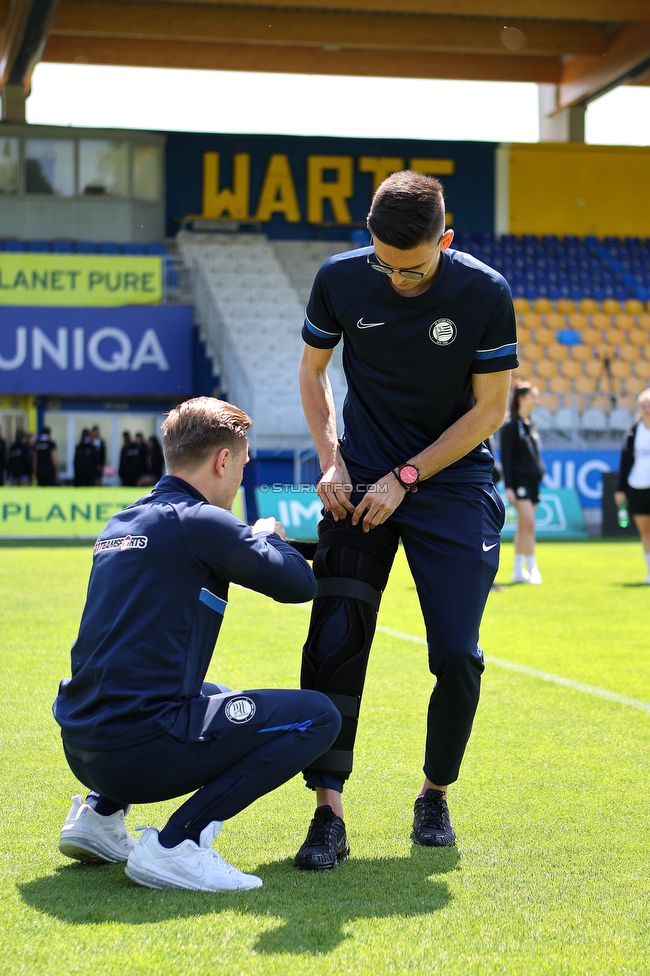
(409, 361)
(157, 594)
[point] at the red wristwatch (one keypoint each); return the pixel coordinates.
(408, 476)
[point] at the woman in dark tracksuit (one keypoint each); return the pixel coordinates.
(634, 474)
(523, 471)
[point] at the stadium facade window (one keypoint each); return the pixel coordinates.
(147, 172)
(49, 166)
(103, 168)
(9, 165)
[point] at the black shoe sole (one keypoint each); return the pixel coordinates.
(432, 843)
(341, 856)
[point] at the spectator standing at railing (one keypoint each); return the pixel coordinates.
(142, 476)
(523, 470)
(100, 454)
(156, 462)
(85, 464)
(46, 466)
(19, 462)
(634, 474)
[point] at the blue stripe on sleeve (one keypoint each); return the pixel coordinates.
(499, 353)
(212, 601)
(321, 333)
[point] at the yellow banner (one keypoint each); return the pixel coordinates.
(79, 279)
(72, 513)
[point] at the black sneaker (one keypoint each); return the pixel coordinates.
(326, 843)
(431, 824)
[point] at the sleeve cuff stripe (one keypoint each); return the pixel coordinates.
(500, 351)
(321, 332)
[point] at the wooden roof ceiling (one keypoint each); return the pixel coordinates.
(585, 47)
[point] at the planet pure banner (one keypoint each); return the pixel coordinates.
(72, 513)
(79, 279)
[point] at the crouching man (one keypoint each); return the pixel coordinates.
(139, 725)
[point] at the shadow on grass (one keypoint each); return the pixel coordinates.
(632, 586)
(313, 908)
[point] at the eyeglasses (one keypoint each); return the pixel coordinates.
(409, 275)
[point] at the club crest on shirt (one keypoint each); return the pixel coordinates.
(443, 332)
(240, 710)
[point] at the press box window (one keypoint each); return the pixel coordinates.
(8, 165)
(49, 166)
(103, 168)
(147, 173)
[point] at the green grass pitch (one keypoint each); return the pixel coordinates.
(551, 873)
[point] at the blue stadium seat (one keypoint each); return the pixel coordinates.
(15, 247)
(156, 248)
(38, 247)
(109, 247)
(132, 247)
(62, 247)
(85, 247)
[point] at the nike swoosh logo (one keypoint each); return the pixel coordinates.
(368, 325)
(487, 548)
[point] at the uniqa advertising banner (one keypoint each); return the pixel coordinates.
(72, 513)
(79, 279)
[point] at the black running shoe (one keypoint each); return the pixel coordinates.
(431, 824)
(326, 843)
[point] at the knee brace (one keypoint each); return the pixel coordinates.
(351, 567)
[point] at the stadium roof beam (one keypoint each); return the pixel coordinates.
(25, 30)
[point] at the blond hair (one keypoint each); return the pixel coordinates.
(196, 428)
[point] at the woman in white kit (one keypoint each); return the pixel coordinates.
(634, 474)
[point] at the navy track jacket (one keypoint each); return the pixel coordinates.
(156, 598)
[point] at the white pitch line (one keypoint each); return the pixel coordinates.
(555, 679)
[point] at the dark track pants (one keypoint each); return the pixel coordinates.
(451, 535)
(239, 761)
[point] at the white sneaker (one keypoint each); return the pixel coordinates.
(523, 576)
(535, 576)
(87, 836)
(196, 867)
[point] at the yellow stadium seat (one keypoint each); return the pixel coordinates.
(603, 403)
(534, 352)
(633, 306)
(532, 320)
(628, 403)
(642, 368)
(521, 305)
(558, 351)
(546, 368)
(591, 336)
(559, 384)
(635, 385)
(637, 337)
(556, 321)
(543, 305)
(611, 306)
(549, 402)
(585, 384)
(579, 321)
(566, 305)
(614, 337)
(624, 322)
(589, 306)
(643, 321)
(594, 368)
(620, 369)
(544, 336)
(629, 353)
(581, 353)
(571, 368)
(601, 321)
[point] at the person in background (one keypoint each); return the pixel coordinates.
(46, 465)
(3, 458)
(523, 470)
(85, 463)
(129, 461)
(634, 474)
(100, 454)
(19, 461)
(142, 477)
(156, 462)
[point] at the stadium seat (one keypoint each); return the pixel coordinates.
(544, 335)
(633, 306)
(611, 306)
(637, 337)
(132, 247)
(109, 247)
(614, 337)
(601, 321)
(591, 336)
(38, 247)
(565, 419)
(534, 352)
(558, 351)
(559, 384)
(546, 368)
(85, 247)
(620, 369)
(628, 403)
(593, 419)
(532, 320)
(581, 353)
(156, 249)
(643, 321)
(571, 368)
(619, 419)
(566, 305)
(635, 385)
(588, 306)
(521, 304)
(543, 419)
(543, 305)
(62, 247)
(624, 321)
(555, 321)
(603, 403)
(549, 402)
(628, 353)
(14, 247)
(594, 368)
(642, 368)
(585, 384)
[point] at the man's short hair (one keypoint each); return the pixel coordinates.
(196, 428)
(408, 209)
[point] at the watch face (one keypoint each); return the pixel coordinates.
(408, 474)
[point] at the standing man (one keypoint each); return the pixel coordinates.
(46, 465)
(100, 454)
(3, 458)
(138, 723)
(428, 344)
(19, 461)
(85, 461)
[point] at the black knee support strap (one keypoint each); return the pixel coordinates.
(352, 568)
